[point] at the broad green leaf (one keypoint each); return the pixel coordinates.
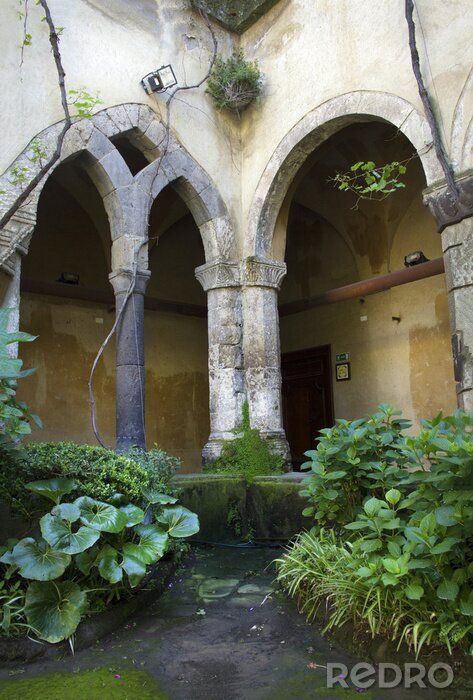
(134, 568)
(38, 561)
(428, 524)
(356, 525)
(444, 516)
(54, 489)
(179, 521)
(54, 608)
(134, 514)
(393, 496)
(448, 590)
(101, 516)
(372, 506)
(389, 580)
(392, 566)
(445, 546)
(332, 476)
(84, 561)
(466, 608)
(371, 545)
(59, 534)
(414, 591)
(363, 572)
(153, 496)
(152, 544)
(107, 564)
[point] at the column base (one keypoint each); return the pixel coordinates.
(278, 445)
(213, 447)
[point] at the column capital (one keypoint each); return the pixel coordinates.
(218, 275)
(120, 280)
(445, 208)
(256, 272)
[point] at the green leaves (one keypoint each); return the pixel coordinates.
(54, 609)
(58, 532)
(179, 521)
(54, 489)
(151, 546)
(448, 590)
(38, 561)
(101, 516)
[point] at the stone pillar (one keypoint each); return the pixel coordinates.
(130, 376)
(261, 280)
(11, 300)
(221, 281)
(455, 222)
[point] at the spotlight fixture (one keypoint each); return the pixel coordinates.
(415, 258)
(159, 80)
(69, 278)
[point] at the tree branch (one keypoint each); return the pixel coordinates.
(54, 41)
(424, 96)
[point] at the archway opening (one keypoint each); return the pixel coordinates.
(67, 301)
(176, 340)
(340, 360)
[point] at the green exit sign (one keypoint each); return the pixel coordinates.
(342, 357)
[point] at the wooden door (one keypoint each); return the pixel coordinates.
(307, 398)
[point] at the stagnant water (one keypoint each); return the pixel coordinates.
(220, 632)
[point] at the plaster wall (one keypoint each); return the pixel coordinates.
(307, 56)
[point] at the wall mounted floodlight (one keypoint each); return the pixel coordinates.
(415, 259)
(159, 80)
(68, 278)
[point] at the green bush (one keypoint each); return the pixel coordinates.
(158, 464)
(353, 460)
(405, 557)
(89, 553)
(15, 417)
(247, 454)
(234, 82)
(99, 473)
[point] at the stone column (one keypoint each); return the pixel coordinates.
(261, 281)
(455, 222)
(11, 300)
(130, 376)
(221, 281)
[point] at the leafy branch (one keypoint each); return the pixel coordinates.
(368, 181)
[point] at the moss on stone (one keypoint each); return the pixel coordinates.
(93, 685)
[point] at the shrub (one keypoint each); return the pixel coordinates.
(89, 552)
(405, 561)
(353, 460)
(158, 464)
(99, 473)
(247, 454)
(15, 417)
(234, 82)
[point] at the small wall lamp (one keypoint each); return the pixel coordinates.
(159, 80)
(69, 278)
(415, 258)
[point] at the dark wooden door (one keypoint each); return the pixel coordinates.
(307, 398)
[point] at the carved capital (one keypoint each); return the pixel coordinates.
(263, 273)
(121, 279)
(218, 275)
(447, 209)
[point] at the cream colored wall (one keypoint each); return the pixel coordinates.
(312, 54)
(308, 54)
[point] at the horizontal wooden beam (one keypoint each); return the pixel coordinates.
(101, 296)
(365, 287)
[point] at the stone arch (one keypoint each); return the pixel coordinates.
(312, 130)
(124, 196)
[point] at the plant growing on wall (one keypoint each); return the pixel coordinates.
(247, 454)
(234, 82)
